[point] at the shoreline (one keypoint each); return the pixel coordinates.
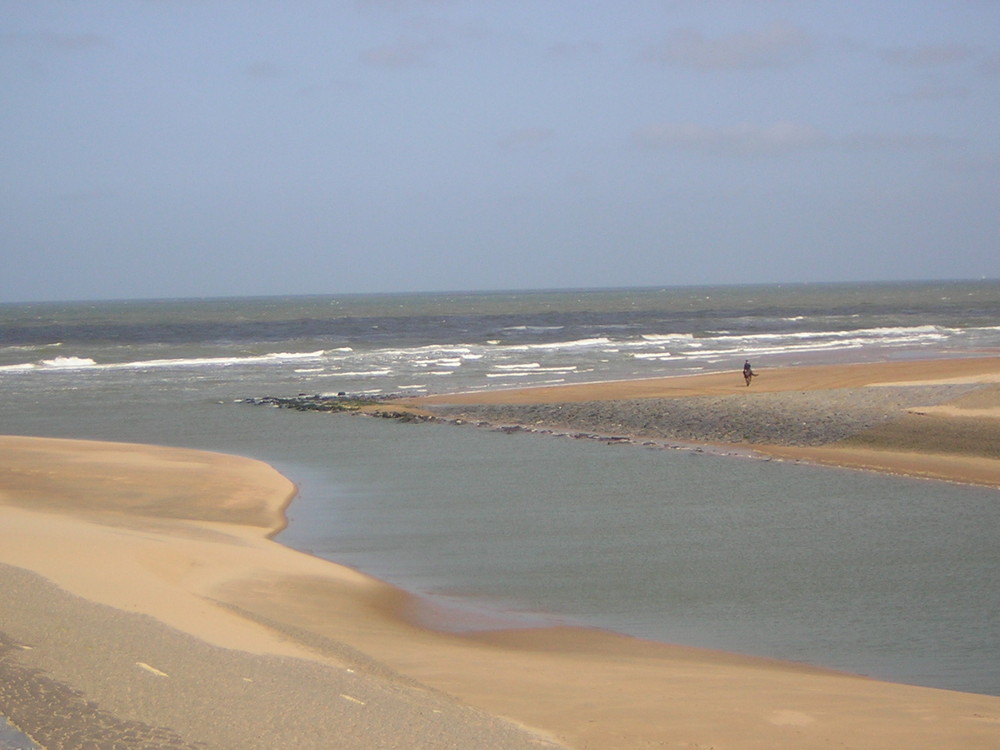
(156, 638)
(188, 623)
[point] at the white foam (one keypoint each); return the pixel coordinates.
(517, 370)
(533, 329)
(653, 355)
(359, 374)
(664, 337)
(443, 362)
(295, 355)
(29, 347)
(808, 341)
(428, 354)
(79, 363)
(521, 366)
(74, 363)
(785, 349)
(23, 367)
(578, 344)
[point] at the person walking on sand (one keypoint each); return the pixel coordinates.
(748, 373)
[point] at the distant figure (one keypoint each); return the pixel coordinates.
(747, 372)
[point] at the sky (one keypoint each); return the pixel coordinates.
(204, 148)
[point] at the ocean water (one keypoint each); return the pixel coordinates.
(890, 577)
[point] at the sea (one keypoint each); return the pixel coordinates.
(885, 576)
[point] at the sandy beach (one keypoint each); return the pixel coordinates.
(146, 605)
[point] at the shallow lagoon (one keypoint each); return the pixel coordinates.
(890, 577)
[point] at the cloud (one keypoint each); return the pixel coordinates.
(264, 70)
(400, 5)
(526, 138)
(777, 138)
(936, 93)
(778, 45)
(571, 50)
(891, 141)
(401, 54)
(991, 64)
(927, 55)
(84, 195)
(50, 40)
(741, 139)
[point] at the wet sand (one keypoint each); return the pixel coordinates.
(145, 604)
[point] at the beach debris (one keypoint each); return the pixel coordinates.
(150, 669)
(351, 698)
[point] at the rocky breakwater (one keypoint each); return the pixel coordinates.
(342, 402)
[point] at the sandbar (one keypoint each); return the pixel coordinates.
(145, 603)
(936, 418)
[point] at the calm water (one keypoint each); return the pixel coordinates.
(889, 577)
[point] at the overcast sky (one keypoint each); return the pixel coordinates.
(187, 148)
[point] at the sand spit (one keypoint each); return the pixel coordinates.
(935, 419)
(793, 417)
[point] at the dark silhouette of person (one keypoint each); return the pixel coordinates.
(748, 373)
